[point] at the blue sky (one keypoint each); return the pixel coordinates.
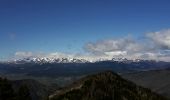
(69, 25)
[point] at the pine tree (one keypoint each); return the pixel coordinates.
(23, 93)
(6, 91)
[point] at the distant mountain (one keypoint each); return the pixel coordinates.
(157, 80)
(105, 86)
(43, 60)
(77, 67)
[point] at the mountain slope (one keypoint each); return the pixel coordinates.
(9, 93)
(37, 90)
(15, 89)
(105, 86)
(157, 80)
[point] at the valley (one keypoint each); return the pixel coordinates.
(52, 77)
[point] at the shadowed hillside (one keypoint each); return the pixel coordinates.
(8, 93)
(105, 86)
(37, 90)
(26, 89)
(156, 80)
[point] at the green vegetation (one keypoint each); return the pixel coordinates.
(8, 93)
(106, 86)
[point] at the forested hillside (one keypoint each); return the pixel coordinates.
(105, 86)
(8, 93)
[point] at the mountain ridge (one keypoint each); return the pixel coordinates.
(42, 60)
(105, 86)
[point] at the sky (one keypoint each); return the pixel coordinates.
(85, 28)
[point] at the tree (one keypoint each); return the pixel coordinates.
(23, 93)
(6, 91)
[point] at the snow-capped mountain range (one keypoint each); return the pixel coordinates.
(72, 66)
(69, 60)
(49, 60)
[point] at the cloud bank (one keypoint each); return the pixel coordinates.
(155, 46)
(161, 39)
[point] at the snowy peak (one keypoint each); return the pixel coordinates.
(49, 60)
(44, 60)
(125, 60)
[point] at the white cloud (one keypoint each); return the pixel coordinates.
(124, 47)
(116, 53)
(21, 54)
(110, 45)
(154, 48)
(161, 38)
(60, 55)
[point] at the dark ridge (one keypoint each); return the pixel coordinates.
(105, 86)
